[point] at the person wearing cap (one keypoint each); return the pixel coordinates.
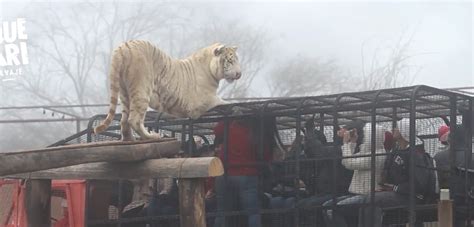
(442, 156)
(395, 187)
(443, 133)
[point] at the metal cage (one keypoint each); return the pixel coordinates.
(422, 105)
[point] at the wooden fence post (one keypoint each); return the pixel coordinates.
(445, 209)
(445, 213)
(192, 211)
(38, 203)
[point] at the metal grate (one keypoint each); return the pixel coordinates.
(385, 107)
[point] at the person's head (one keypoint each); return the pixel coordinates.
(401, 134)
(443, 133)
(380, 136)
(388, 141)
(357, 125)
(321, 137)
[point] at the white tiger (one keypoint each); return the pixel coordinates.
(145, 76)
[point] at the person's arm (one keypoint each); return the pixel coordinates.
(421, 177)
(361, 163)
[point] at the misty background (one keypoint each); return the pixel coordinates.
(286, 49)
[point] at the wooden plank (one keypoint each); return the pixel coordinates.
(41, 159)
(38, 203)
(153, 168)
(445, 213)
(191, 203)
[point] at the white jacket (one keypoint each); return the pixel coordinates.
(360, 183)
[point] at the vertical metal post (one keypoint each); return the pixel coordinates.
(191, 151)
(394, 117)
(372, 158)
(78, 129)
(468, 159)
(335, 160)
(183, 133)
(120, 203)
(226, 162)
(78, 125)
(321, 122)
(298, 152)
(86, 204)
(453, 123)
(453, 131)
(260, 150)
(411, 168)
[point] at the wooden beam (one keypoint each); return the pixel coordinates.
(41, 159)
(38, 203)
(153, 168)
(445, 213)
(192, 211)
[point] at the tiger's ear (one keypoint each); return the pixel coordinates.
(218, 50)
(234, 48)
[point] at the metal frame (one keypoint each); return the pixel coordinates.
(388, 105)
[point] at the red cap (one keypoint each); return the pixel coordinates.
(443, 133)
(388, 142)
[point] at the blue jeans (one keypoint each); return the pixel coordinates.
(245, 189)
(281, 202)
(314, 201)
(338, 218)
(382, 200)
(312, 207)
(282, 219)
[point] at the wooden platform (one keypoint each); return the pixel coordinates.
(55, 157)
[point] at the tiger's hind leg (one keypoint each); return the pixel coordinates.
(125, 128)
(138, 107)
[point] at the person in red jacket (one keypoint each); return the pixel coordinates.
(241, 165)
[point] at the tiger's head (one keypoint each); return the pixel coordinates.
(225, 63)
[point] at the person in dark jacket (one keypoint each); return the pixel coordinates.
(442, 156)
(326, 182)
(395, 176)
(459, 144)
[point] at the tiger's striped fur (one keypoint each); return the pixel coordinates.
(144, 76)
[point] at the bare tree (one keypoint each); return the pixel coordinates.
(303, 75)
(392, 70)
(69, 47)
(73, 46)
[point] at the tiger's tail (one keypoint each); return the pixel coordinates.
(114, 76)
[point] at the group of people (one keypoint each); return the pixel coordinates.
(335, 178)
(350, 181)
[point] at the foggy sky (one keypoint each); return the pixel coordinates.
(441, 31)
(441, 45)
